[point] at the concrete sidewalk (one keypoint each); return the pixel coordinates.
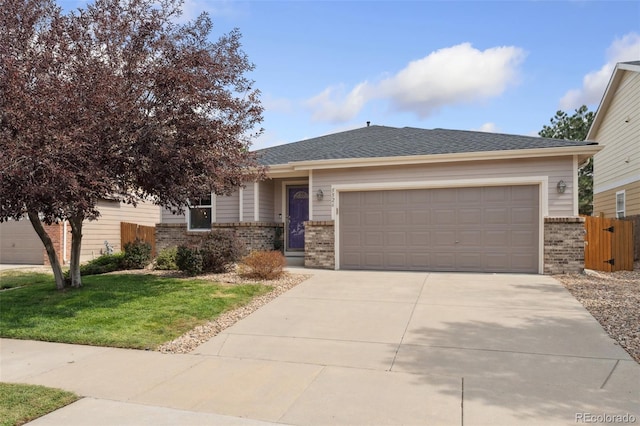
(361, 348)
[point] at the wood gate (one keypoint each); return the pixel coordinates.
(608, 244)
(129, 232)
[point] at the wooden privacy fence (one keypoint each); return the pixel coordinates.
(608, 244)
(130, 231)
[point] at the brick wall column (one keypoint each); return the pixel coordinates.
(56, 233)
(319, 244)
(563, 245)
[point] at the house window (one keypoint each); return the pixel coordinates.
(201, 214)
(620, 201)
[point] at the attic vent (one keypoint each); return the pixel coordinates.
(368, 123)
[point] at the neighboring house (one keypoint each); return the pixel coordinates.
(20, 244)
(616, 126)
(385, 198)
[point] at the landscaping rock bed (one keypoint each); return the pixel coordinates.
(199, 335)
(614, 300)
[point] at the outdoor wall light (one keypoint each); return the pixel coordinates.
(319, 195)
(561, 187)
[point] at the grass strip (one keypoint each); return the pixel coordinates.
(21, 403)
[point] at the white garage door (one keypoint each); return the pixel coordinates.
(477, 229)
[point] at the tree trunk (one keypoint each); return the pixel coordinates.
(48, 245)
(76, 241)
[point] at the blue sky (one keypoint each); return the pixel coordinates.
(328, 66)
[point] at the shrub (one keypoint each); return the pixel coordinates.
(137, 254)
(189, 260)
(166, 259)
(101, 265)
(220, 249)
(266, 265)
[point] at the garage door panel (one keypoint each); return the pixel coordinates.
(469, 216)
(496, 215)
(496, 238)
(373, 198)
(396, 239)
(374, 238)
(523, 238)
(396, 217)
(419, 239)
(522, 215)
(469, 238)
(373, 218)
(443, 217)
(489, 229)
(374, 259)
(419, 217)
(443, 238)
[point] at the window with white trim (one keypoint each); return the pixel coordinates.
(620, 204)
(201, 214)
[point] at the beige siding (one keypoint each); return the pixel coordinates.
(19, 243)
(619, 161)
(266, 201)
(604, 203)
(227, 208)
(107, 227)
(556, 168)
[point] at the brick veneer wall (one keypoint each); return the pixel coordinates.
(563, 245)
(56, 233)
(319, 247)
(254, 235)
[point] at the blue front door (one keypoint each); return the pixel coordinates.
(297, 214)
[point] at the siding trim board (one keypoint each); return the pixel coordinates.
(541, 181)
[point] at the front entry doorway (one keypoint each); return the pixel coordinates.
(297, 214)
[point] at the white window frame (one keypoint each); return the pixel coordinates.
(212, 206)
(620, 213)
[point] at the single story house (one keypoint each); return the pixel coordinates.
(20, 244)
(387, 198)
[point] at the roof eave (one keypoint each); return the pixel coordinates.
(583, 152)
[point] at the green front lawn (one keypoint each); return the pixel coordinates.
(119, 310)
(20, 404)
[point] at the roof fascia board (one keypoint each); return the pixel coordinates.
(582, 151)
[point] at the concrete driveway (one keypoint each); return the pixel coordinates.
(362, 348)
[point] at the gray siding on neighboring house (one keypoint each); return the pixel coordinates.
(556, 168)
(19, 243)
(227, 208)
(618, 132)
(266, 196)
(107, 227)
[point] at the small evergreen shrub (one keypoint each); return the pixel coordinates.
(101, 265)
(220, 249)
(189, 260)
(137, 254)
(166, 259)
(265, 265)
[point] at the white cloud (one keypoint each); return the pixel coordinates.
(488, 127)
(453, 75)
(594, 83)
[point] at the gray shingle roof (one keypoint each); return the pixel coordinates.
(383, 141)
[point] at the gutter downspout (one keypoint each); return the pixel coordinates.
(64, 242)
